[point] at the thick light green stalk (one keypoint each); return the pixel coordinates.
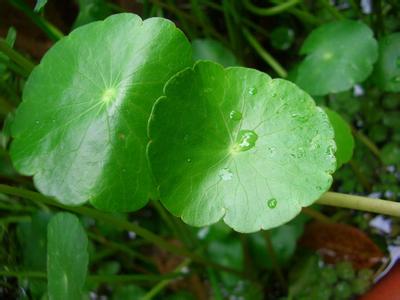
(268, 58)
(377, 206)
(270, 11)
(20, 60)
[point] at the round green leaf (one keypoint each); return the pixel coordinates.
(339, 54)
(81, 129)
(235, 144)
(387, 69)
(208, 49)
(343, 137)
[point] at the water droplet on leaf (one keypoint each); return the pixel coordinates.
(246, 140)
(299, 117)
(235, 115)
(226, 174)
(37, 122)
(252, 91)
(189, 160)
(272, 203)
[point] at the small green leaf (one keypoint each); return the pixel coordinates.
(67, 257)
(208, 49)
(245, 148)
(387, 69)
(343, 137)
(39, 5)
(81, 128)
(339, 55)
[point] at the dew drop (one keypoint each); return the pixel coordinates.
(246, 140)
(189, 160)
(37, 122)
(226, 174)
(272, 203)
(299, 117)
(252, 91)
(235, 115)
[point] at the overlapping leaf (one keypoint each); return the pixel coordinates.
(235, 144)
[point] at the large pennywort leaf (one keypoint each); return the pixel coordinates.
(81, 128)
(235, 144)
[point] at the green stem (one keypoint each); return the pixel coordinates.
(20, 60)
(49, 29)
(377, 206)
(131, 278)
(217, 294)
(162, 284)
(367, 142)
(360, 176)
(116, 223)
(14, 219)
(328, 6)
(171, 223)
(268, 58)
(120, 247)
(20, 274)
(269, 11)
(305, 16)
(274, 259)
(98, 278)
